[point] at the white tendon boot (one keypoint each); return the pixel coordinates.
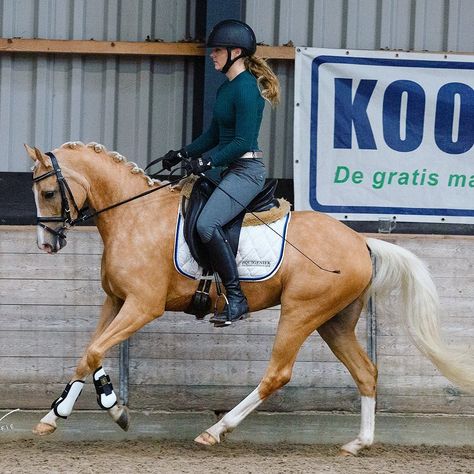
(107, 399)
(60, 408)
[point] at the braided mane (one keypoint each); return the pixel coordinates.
(117, 157)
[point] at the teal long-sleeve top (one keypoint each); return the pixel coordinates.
(236, 121)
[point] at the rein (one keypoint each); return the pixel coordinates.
(86, 217)
(83, 216)
(66, 194)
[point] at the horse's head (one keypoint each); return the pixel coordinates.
(59, 196)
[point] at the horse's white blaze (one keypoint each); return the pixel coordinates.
(40, 239)
(236, 415)
(367, 427)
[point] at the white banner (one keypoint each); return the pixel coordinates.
(384, 134)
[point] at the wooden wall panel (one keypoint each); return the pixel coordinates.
(49, 306)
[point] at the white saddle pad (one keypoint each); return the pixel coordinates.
(259, 255)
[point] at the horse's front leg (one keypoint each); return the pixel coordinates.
(62, 407)
(131, 317)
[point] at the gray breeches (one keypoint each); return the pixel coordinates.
(243, 180)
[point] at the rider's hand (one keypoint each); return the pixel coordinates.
(172, 158)
(198, 166)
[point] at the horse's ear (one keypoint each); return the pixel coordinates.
(30, 151)
(37, 155)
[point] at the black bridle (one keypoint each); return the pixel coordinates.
(67, 197)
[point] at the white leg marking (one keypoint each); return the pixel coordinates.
(50, 419)
(367, 427)
(236, 415)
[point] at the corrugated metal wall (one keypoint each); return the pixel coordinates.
(431, 25)
(142, 106)
(121, 20)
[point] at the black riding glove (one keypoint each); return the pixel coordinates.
(198, 166)
(172, 158)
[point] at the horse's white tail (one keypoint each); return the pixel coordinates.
(397, 268)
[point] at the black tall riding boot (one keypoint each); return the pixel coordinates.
(223, 262)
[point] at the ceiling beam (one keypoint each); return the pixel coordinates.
(131, 48)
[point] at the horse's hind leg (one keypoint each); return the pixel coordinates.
(63, 406)
(339, 334)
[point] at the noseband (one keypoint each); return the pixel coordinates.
(66, 198)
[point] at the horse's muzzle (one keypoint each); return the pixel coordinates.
(51, 243)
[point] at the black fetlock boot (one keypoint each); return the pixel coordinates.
(223, 262)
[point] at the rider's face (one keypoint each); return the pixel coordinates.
(219, 57)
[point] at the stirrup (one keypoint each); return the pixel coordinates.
(218, 317)
(223, 319)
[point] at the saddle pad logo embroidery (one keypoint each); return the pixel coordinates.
(256, 263)
(259, 255)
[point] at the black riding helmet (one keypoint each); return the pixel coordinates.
(232, 34)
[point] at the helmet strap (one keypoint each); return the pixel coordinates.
(231, 61)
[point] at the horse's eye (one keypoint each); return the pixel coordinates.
(49, 194)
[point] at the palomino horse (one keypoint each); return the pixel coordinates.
(141, 283)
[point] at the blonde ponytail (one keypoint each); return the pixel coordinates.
(268, 82)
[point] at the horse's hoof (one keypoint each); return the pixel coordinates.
(124, 419)
(43, 429)
(346, 454)
(206, 439)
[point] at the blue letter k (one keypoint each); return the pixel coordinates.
(348, 112)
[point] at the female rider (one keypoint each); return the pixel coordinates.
(234, 129)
